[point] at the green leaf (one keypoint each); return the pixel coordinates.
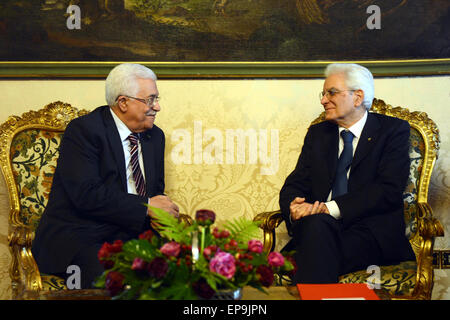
(171, 228)
(243, 230)
(138, 248)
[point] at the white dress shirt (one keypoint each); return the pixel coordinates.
(356, 129)
(124, 132)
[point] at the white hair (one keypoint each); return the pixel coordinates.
(122, 80)
(356, 78)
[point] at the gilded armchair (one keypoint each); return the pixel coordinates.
(410, 279)
(28, 153)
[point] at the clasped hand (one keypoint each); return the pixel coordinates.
(299, 208)
(165, 203)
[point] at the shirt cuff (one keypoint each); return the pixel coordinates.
(334, 210)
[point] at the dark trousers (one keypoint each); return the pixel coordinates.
(89, 264)
(325, 250)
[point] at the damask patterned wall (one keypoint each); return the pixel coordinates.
(231, 143)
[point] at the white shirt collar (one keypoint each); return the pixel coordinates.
(124, 132)
(357, 127)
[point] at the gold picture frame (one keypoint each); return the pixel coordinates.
(199, 70)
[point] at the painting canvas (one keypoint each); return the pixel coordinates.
(223, 30)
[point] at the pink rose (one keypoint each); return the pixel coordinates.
(171, 249)
(209, 251)
(255, 246)
(275, 259)
(223, 263)
(139, 264)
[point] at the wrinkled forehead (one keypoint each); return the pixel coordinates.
(147, 87)
(335, 81)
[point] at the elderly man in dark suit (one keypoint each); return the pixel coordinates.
(343, 203)
(111, 163)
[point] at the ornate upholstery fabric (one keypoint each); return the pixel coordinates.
(398, 279)
(34, 153)
(29, 151)
(416, 154)
(52, 283)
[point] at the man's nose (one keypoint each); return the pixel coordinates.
(156, 106)
(324, 99)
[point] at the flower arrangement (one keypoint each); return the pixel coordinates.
(189, 261)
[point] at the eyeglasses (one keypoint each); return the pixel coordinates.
(331, 93)
(151, 101)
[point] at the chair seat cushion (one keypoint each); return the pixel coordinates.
(398, 279)
(52, 283)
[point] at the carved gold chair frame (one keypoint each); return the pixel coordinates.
(426, 226)
(25, 276)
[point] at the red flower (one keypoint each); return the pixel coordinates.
(255, 246)
(114, 282)
(139, 265)
(203, 289)
(205, 217)
(209, 251)
(275, 259)
(147, 235)
(293, 271)
(221, 234)
(223, 263)
(158, 268)
(265, 275)
(171, 249)
(106, 251)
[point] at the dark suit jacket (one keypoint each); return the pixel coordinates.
(378, 176)
(88, 202)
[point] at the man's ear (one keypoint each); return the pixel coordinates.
(122, 104)
(359, 97)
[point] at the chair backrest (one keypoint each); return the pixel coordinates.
(29, 149)
(423, 152)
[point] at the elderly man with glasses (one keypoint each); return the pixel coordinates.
(111, 163)
(343, 203)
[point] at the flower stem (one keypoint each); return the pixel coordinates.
(202, 245)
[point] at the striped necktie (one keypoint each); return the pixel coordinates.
(137, 173)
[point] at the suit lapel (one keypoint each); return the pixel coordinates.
(367, 140)
(115, 144)
(329, 148)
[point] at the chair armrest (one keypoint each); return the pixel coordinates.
(428, 226)
(423, 243)
(269, 221)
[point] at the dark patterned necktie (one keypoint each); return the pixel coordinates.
(137, 173)
(344, 163)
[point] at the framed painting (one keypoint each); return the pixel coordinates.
(216, 38)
